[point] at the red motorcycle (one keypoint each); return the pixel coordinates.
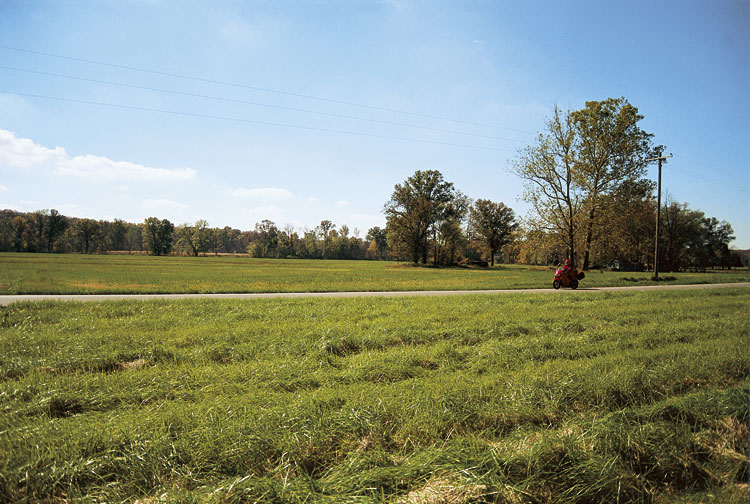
(567, 276)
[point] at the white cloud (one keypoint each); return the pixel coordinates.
(343, 204)
(313, 199)
(163, 204)
(3, 188)
(266, 193)
(90, 166)
(24, 153)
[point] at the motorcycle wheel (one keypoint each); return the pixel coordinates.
(574, 285)
(556, 284)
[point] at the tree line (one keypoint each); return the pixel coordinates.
(583, 177)
(50, 231)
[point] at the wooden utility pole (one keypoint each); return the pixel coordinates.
(658, 217)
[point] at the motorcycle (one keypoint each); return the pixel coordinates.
(567, 277)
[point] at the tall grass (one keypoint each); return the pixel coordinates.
(90, 274)
(629, 397)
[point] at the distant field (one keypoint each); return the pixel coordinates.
(600, 397)
(88, 274)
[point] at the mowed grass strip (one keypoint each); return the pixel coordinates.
(122, 274)
(594, 398)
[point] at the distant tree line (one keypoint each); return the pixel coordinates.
(50, 231)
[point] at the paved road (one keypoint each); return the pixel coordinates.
(8, 299)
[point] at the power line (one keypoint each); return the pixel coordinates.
(707, 166)
(246, 102)
(709, 180)
(255, 88)
(252, 121)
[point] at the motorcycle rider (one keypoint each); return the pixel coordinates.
(567, 270)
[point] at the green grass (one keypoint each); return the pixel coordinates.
(89, 274)
(600, 397)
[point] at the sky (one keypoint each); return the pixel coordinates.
(301, 111)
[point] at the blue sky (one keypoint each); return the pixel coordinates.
(310, 110)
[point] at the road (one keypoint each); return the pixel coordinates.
(5, 300)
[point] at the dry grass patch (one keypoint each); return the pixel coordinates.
(445, 489)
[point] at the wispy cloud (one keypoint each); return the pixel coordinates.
(101, 167)
(3, 188)
(343, 204)
(24, 153)
(266, 193)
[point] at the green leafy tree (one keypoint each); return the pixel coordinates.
(549, 172)
(85, 231)
(266, 239)
(611, 149)
(584, 157)
(157, 236)
(135, 238)
(626, 235)
(19, 228)
(379, 238)
(325, 231)
(38, 223)
(117, 234)
(493, 224)
(416, 209)
(194, 239)
(56, 225)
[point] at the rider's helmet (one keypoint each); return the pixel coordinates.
(567, 262)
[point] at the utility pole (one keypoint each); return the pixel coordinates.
(658, 216)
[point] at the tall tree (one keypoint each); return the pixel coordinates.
(548, 169)
(584, 157)
(415, 209)
(492, 223)
(611, 149)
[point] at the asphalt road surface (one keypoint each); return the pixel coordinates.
(5, 300)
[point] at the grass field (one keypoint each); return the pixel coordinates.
(98, 274)
(600, 397)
